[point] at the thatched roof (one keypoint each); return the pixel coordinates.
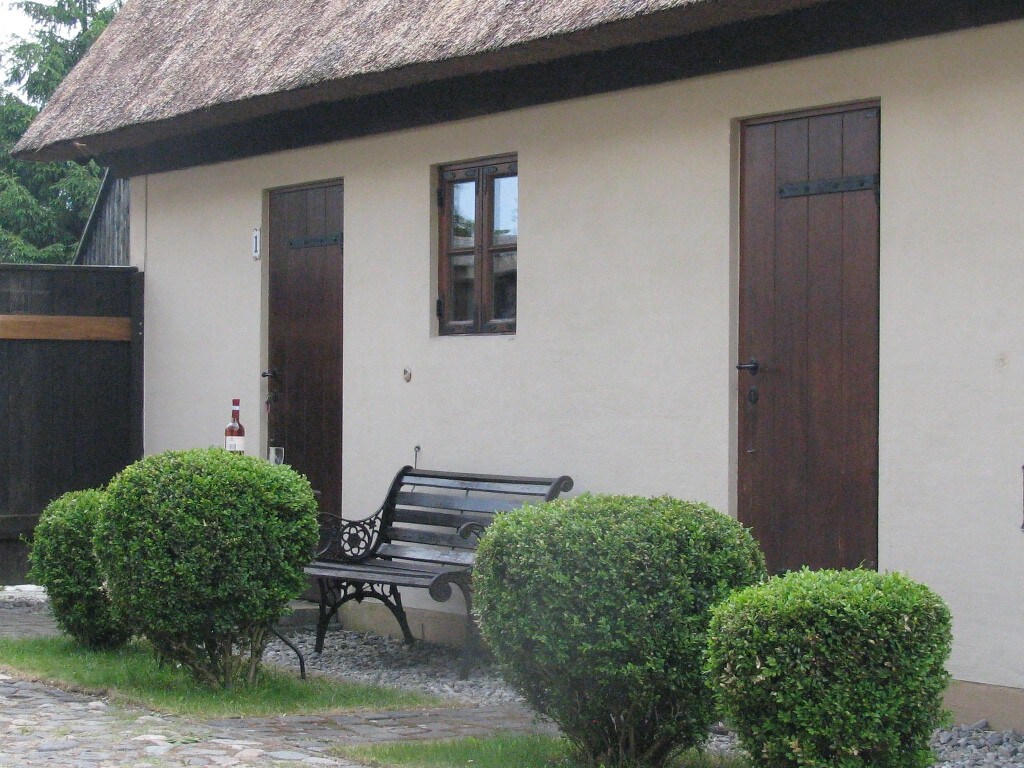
(173, 83)
(166, 66)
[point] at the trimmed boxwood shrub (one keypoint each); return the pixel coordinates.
(843, 669)
(597, 608)
(63, 561)
(202, 550)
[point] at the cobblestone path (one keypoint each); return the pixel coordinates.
(45, 726)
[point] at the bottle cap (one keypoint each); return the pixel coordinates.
(235, 403)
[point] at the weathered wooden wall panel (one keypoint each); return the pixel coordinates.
(105, 241)
(70, 411)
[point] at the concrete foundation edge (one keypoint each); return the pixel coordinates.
(1003, 707)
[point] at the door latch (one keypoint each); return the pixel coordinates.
(752, 366)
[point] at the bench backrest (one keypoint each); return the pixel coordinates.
(425, 510)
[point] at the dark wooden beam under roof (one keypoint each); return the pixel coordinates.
(835, 26)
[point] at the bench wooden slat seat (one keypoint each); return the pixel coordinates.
(379, 572)
(424, 535)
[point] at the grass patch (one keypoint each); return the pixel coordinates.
(132, 675)
(505, 750)
(501, 751)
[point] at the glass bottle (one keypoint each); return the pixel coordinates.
(234, 433)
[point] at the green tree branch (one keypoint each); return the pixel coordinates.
(44, 207)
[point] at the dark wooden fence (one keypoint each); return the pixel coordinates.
(70, 389)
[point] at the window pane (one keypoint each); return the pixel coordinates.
(504, 275)
(506, 210)
(463, 214)
(463, 306)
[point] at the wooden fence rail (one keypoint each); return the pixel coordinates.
(70, 389)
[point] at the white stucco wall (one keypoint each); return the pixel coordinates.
(621, 371)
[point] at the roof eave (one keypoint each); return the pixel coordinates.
(509, 79)
(687, 19)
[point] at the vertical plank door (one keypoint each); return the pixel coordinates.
(305, 334)
(808, 337)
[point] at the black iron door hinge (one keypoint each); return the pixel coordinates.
(830, 186)
(316, 241)
(439, 308)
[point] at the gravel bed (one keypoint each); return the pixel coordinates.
(22, 596)
(977, 745)
(370, 658)
(434, 669)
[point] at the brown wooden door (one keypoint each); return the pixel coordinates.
(808, 314)
(305, 327)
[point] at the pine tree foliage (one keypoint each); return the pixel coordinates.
(44, 207)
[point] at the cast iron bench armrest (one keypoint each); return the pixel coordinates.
(440, 588)
(349, 541)
(472, 529)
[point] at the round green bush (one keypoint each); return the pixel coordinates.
(63, 561)
(202, 551)
(843, 669)
(597, 609)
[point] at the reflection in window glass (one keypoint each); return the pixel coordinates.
(504, 276)
(506, 210)
(464, 214)
(463, 305)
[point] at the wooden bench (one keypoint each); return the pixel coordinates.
(424, 535)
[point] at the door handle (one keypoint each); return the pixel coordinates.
(271, 374)
(752, 366)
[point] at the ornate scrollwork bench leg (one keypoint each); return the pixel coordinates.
(473, 647)
(334, 593)
(328, 608)
(352, 541)
(441, 591)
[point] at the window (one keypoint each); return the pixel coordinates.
(479, 228)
